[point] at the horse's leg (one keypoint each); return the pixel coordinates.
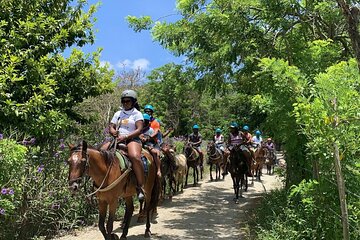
(194, 175)
(186, 178)
(147, 230)
(234, 186)
(110, 222)
(211, 178)
(128, 214)
(102, 216)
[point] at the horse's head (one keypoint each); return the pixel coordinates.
(188, 150)
(78, 162)
(210, 147)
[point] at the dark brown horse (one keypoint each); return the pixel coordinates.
(168, 166)
(192, 161)
(216, 157)
(112, 182)
(238, 169)
(260, 157)
(270, 161)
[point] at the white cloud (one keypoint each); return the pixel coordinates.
(106, 63)
(140, 63)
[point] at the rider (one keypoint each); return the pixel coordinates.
(130, 124)
(247, 138)
(219, 139)
(257, 139)
(246, 135)
(150, 143)
(154, 124)
(270, 145)
(195, 139)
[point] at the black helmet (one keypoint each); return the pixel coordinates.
(129, 93)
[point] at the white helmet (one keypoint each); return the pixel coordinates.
(129, 93)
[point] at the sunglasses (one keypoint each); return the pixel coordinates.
(125, 101)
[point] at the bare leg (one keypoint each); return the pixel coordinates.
(134, 151)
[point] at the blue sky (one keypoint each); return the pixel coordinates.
(121, 45)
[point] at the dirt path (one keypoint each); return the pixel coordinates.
(206, 211)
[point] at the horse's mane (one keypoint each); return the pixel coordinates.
(106, 155)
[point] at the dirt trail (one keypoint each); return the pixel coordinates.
(206, 211)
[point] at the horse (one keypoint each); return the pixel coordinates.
(180, 171)
(238, 169)
(168, 166)
(259, 161)
(192, 160)
(216, 157)
(270, 161)
(112, 181)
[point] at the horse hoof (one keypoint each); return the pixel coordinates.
(123, 238)
(147, 234)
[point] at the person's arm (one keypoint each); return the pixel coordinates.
(112, 129)
(167, 132)
(139, 126)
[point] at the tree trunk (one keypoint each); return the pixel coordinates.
(352, 18)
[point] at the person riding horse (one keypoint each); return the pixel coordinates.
(238, 138)
(270, 145)
(257, 139)
(150, 142)
(126, 125)
(219, 140)
(195, 139)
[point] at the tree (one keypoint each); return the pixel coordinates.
(38, 85)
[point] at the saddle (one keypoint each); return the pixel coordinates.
(124, 161)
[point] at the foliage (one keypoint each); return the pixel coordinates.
(38, 86)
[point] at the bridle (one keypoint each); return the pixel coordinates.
(87, 165)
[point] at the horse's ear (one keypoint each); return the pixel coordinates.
(71, 146)
(84, 145)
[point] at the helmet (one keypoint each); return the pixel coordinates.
(258, 132)
(129, 93)
(146, 116)
(246, 128)
(234, 125)
(218, 130)
(148, 106)
(195, 126)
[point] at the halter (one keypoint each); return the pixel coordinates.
(87, 165)
(215, 153)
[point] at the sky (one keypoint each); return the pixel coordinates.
(124, 47)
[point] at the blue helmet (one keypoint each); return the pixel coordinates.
(195, 126)
(234, 125)
(149, 107)
(218, 130)
(258, 132)
(246, 128)
(146, 116)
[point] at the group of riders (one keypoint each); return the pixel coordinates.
(243, 138)
(137, 130)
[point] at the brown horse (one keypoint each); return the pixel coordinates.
(192, 160)
(216, 157)
(238, 169)
(260, 157)
(168, 166)
(112, 182)
(178, 171)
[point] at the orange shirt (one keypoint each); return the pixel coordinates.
(156, 126)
